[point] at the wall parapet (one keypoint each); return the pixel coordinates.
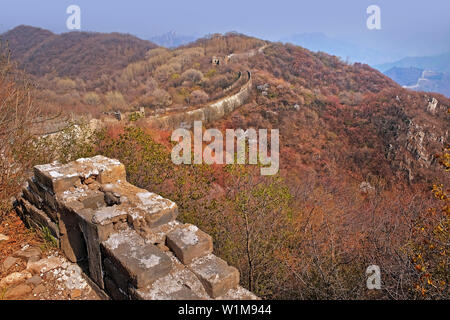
(212, 112)
(127, 238)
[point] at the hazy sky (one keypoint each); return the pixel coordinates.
(415, 26)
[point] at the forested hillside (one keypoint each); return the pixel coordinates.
(363, 162)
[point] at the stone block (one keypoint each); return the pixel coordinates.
(90, 234)
(108, 215)
(177, 285)
(189, 242)
(158, 235)
(151, 210)
(37, 188)
(48, 204)
(71, 238)
(120, 280)
(238, 293)
(141, 263)
(32, 197)
(39, 218)
(146, 209)
(215, 274)
(107, 170)
(55, 177)
(92, 199)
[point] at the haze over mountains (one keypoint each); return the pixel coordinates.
(429, 73)
(358, 153)
(347, 50)
(172, 40)
(438, 63)
(94, 72)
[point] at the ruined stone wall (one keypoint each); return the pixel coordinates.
(127, 239)
(212, 112)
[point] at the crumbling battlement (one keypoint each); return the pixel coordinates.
(126, 238)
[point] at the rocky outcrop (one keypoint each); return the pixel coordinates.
(128, 238)
(412, 142)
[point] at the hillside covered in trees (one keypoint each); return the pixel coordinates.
(363, 162)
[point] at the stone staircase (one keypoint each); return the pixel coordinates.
(128, 238)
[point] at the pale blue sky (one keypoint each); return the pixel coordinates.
(414, 26)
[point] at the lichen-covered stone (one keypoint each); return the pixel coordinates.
(133, 245)
(215, 274)
(238, 293)
(141, 263)
(189, 242)
(55, 177)
(151, 211)
(107, 215)
(178, 285)
(145, 209)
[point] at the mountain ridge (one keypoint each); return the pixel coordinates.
(70, 54)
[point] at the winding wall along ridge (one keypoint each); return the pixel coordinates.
(212, 112)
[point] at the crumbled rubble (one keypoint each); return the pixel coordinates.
(44, 277)
(127, 238)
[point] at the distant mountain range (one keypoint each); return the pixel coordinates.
(344, 49)
(421, 80)
(430, 73)
(172, 40)
(438, 63)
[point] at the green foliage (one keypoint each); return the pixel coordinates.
(134, 116)
(430, 247)
(148, 163)
(211, 73)
(74, 142)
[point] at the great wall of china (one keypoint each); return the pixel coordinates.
(214, 111)
(127, 239)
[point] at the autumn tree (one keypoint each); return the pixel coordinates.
(430, 248)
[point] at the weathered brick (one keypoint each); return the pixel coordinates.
(141, 263)
(108, 215)
(151, 211)
(118, 277)
(91, 239)
(107, 170)
(32, 197)
(238, 293)
(71, 238)
(177, 285)
(49, 204)
(88, 198)
(188, 242)
(55, 177)
(39, 218)
(215, 274)
(145, 209)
